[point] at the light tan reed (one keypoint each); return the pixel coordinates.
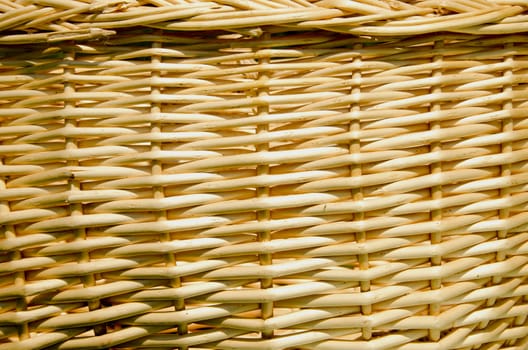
(263, 174)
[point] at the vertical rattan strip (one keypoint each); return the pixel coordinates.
(16, 278)
(265, 259)
(156, 129)
(74, 185)
(19, 279)
(356, 171)
(436, 191)
(507, 127)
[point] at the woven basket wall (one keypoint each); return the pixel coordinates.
(258, 174)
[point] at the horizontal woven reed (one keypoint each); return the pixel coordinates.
(263, 174)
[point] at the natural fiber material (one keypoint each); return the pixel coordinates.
(258, 174)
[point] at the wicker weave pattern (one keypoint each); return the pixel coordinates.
(263, 174)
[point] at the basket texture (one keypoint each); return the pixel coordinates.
(258, 174)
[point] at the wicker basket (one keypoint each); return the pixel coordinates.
(263, 174)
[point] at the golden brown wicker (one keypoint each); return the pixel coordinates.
(263, 174)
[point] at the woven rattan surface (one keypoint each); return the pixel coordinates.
(257, 174)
